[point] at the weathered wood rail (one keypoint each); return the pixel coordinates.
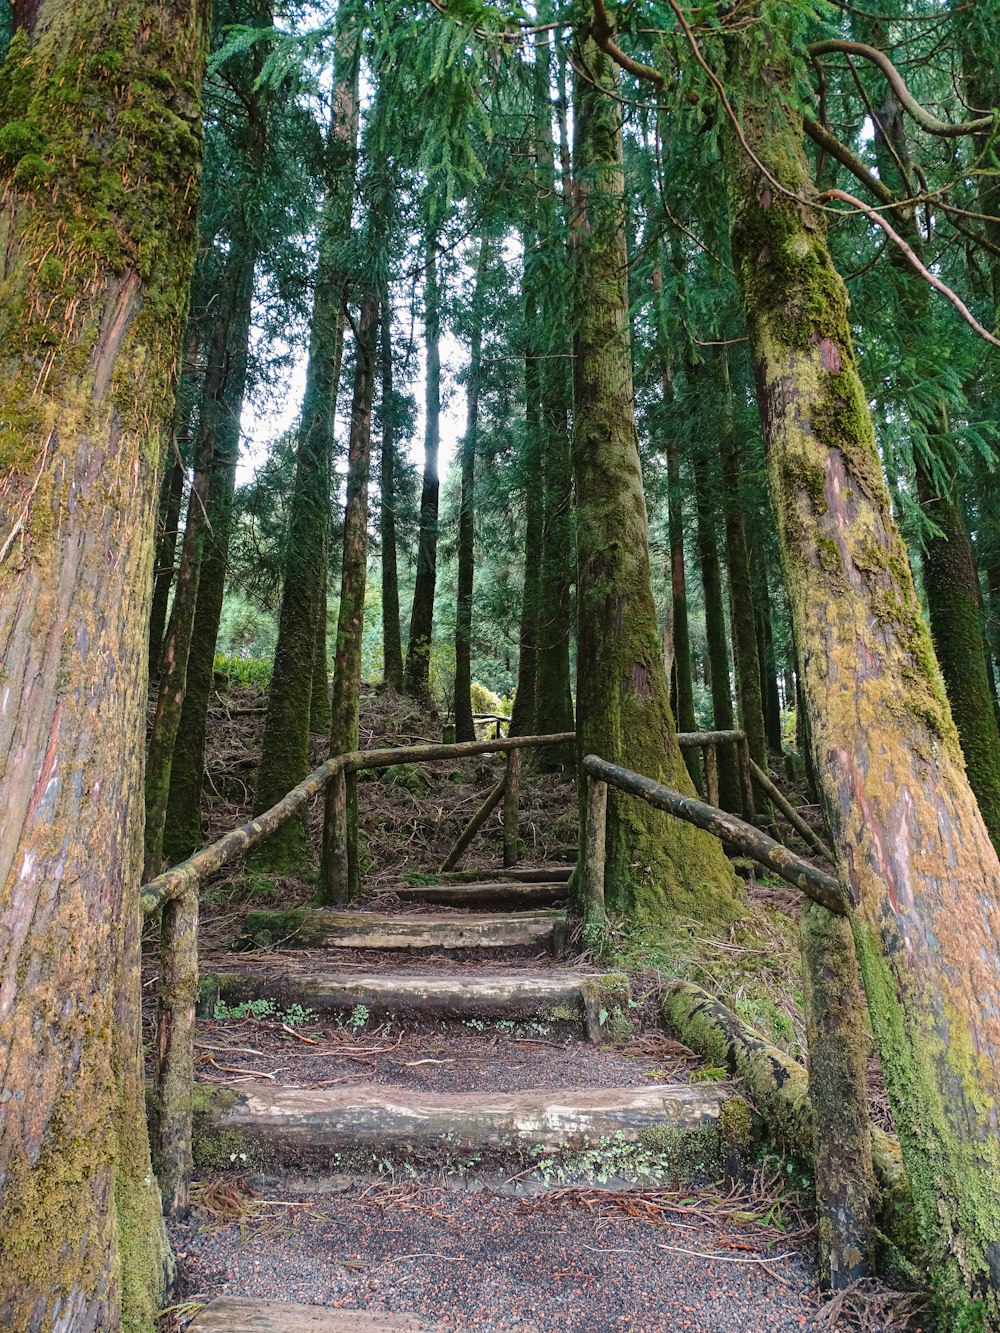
(734, 832)
(176, 893)
(176, 890)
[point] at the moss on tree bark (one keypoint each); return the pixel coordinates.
(657, 869)
(98, 233)
(912, 847)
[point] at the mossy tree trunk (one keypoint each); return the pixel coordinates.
(417, 675)
(351, 618)
(838, 1053)
(167, 529)
(285, 745)
(742, 618)
(951, 579)
(766, 655)
(656, 868)
(681, 673)
(180, 627)
(465, 728)
(220, 417)
(522, 715)
(98, 231)
(546, 273)
(723, 714)
(392, 638)
(912, 847)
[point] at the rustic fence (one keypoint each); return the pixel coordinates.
(176, 893)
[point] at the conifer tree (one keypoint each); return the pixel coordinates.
(100, 154)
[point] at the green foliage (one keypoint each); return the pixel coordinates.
(243, 670)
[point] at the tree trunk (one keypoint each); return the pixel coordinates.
(220, 416)
(320, 716)
(100, 236)
(392, 639)
(723, 716)
(838, 1057)
(177, 644)
(465, 729)
(911, 844)
(284, 757)
(417, 678)
(351, 617)
(681, 674)
(530, 466)
(656, 868)
(767, 659)
(171, 495)
(545, 270)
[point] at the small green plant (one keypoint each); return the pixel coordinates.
(295, 1016)
(358, 1018)
(245, 1009)
(476, 1024)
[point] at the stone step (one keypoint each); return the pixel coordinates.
(487, 893)
(580, 998)
(527, 931)
(261, 1127)
(235, 1314)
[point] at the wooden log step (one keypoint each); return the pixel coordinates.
(266, 1126)
(522, 874)
(325, 926)
(487, 893)
(235, 1314)
(556, 996)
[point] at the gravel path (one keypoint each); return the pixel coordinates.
(486, 1262)
(452, 1058)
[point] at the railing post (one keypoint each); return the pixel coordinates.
(351, 831)
(711, 775)
(178, 995)
(746, 783)
(594, 914)
(511, 798)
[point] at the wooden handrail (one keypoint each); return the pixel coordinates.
(205, 862)
(814, 883)
(176, 892)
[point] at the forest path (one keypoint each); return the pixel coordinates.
(431, 1123)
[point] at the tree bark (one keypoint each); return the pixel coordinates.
(392, 639)
(465, 727)
(220, 417)
(723, 715)
(545, 270)
(168, 527)
(98, 233)
(285, 744)
(417, 677)
(912, 847)
(351, 618)
(741, 602)
(655, 870)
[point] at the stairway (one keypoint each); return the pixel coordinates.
(471, 964)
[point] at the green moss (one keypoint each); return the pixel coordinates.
(736, 1127)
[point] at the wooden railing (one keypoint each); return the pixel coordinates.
(733, 832)
(176, 893)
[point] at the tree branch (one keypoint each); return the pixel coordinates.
(915, 262)
(831, 144)
(603, 32)
(909, 103)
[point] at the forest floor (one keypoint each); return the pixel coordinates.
(486, 1250)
